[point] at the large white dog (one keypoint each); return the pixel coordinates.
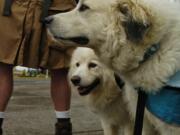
(138, 39)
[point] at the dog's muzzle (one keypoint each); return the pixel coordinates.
(76, 80)
(84, 90)
(81, 40)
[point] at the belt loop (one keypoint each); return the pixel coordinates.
(46, 5)
(7, 7)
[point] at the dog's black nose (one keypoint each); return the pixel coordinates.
(48, 20)
(75, 80)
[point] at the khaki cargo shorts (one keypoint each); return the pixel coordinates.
(20, 35)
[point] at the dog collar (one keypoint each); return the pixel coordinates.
(150, 52)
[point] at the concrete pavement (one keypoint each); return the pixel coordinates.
(30, 111)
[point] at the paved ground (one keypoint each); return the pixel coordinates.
(30, 111)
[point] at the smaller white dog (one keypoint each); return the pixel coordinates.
(96, 83)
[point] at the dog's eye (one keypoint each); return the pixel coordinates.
(77, 64)
(92, 65)
(83, 8)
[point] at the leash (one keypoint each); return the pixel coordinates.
(142, 97)
(141, 103)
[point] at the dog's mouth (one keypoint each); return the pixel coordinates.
(81, 40)
(85, 90)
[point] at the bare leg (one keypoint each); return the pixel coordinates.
(6, 85)
(60, 91)
(61, 96)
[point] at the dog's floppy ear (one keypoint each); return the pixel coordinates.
(135, 20)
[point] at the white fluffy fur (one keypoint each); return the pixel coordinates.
(107, 100)
(103, 24)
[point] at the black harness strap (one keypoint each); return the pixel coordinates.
(141, 103)
(7, 7)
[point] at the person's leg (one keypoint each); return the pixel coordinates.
(61, 96)
(6, 87)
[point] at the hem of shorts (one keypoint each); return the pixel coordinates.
(54, 67)
(7, 62)
(36, 67)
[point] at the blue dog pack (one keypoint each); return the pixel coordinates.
(165, 104)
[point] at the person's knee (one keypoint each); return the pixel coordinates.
(6, 65)
(5, 70)
(60, 72)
